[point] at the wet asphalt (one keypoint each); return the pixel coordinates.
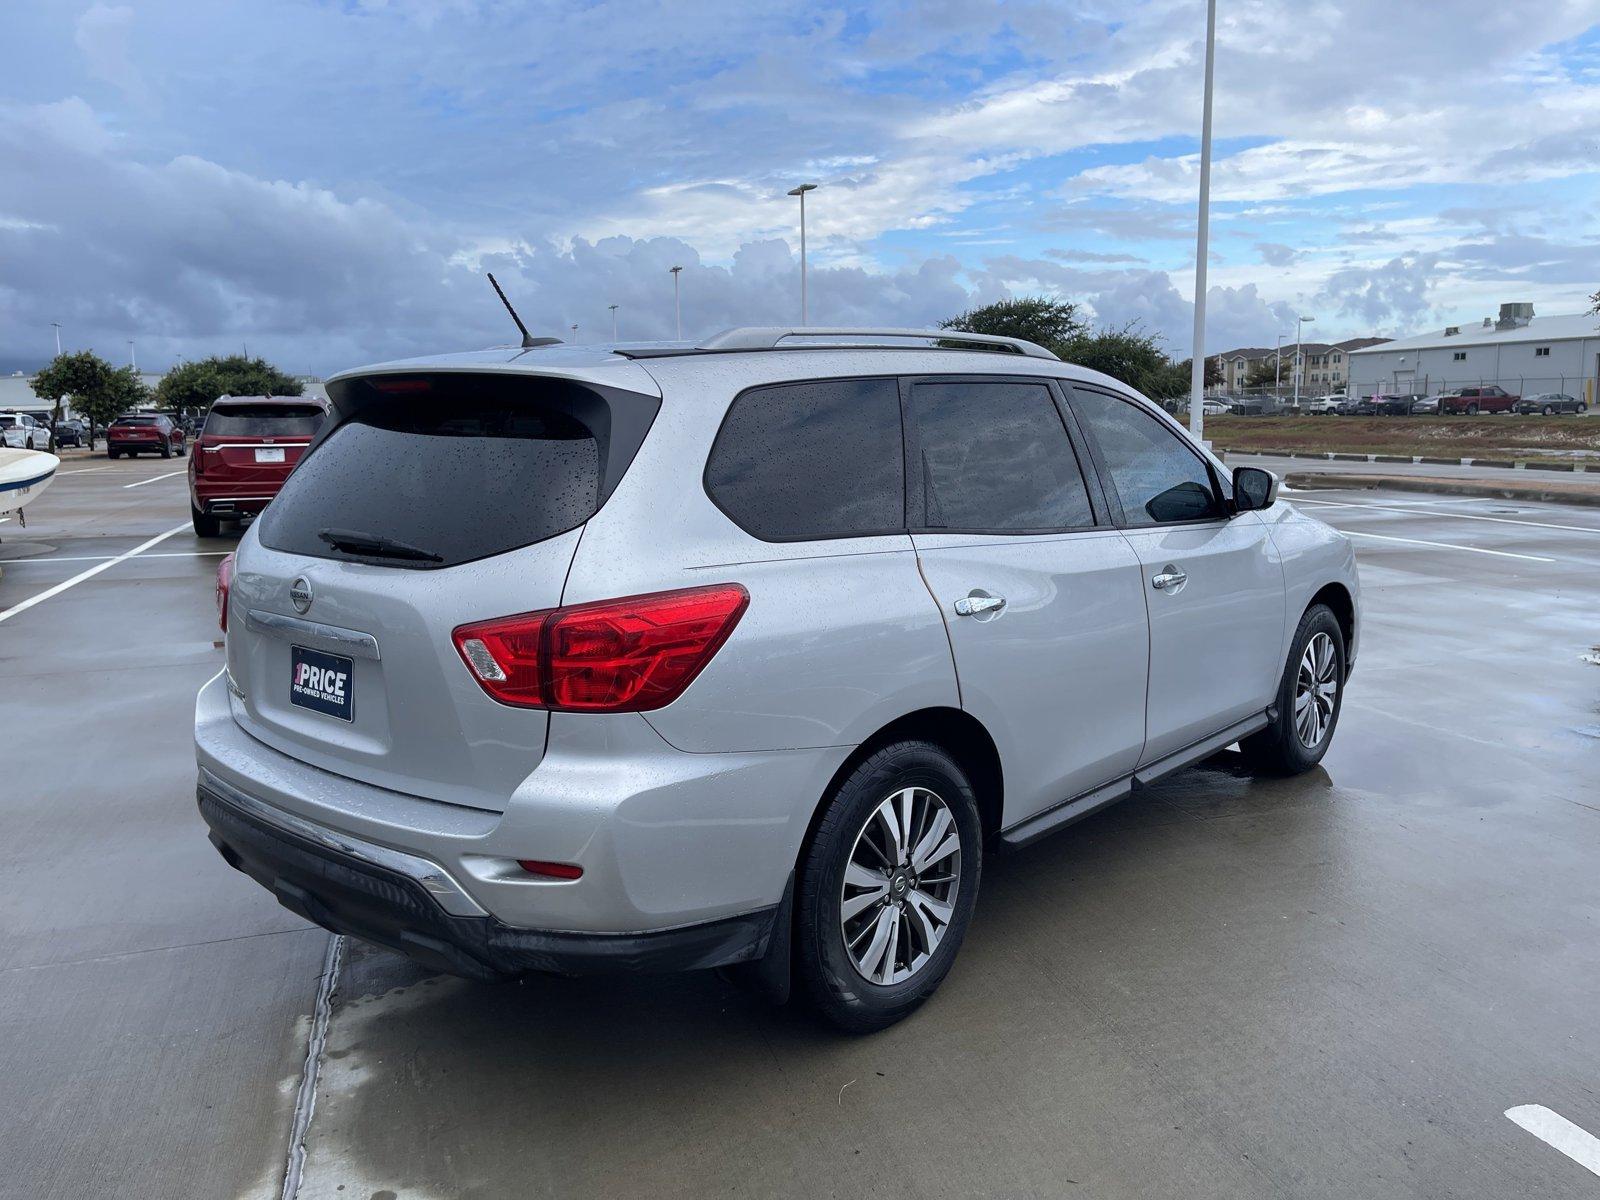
(1334, 985)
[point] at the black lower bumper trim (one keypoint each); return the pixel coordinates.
(365, 901)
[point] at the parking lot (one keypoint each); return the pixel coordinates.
(1333, 985)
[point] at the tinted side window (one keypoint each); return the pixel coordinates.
(995, 456)
(822, 459)
(1157, 477)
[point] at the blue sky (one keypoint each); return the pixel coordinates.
(328, 181)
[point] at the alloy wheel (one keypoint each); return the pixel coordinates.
(1316, 691)
(899, 891)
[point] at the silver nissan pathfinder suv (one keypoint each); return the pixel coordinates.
(741, 654)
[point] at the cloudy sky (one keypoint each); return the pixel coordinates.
(326, 182)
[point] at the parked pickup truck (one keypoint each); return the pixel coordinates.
(1474, 400)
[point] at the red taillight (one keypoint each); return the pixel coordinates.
(552, 870)
(398, 387)
(224, 585)
(624, 655)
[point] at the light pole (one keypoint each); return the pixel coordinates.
(613, 309)
(1277, 371)
(1197, 362)
(801, 192)
(574, 333)
(56, 325)
(1299, 322)
(677, 305)
(133, 360)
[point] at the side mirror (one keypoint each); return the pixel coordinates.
(1253, 489)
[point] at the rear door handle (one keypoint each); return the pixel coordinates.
(1168, 579)
(971, 606)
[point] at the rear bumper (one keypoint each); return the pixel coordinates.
(414, 906)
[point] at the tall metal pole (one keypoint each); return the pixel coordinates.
(1277, 372)
(677, 306)
(1197, 361)
(1298, 356)
(613, 309)
(801, 192)
(57, 326)
(133, 359)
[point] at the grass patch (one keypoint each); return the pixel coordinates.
(1566, 438)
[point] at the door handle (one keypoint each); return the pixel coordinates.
(971, 606)
(1169, 579)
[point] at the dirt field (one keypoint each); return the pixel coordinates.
(1566, 438)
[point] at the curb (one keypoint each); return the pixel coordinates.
(1496, 463)
(1313, 481)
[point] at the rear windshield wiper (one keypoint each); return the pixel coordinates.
(375, 545)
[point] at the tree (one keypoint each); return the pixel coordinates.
(1594, 305)
(1038, 319)
(123, 391)
(1265, 372)
(84, 376)
(1131, 355)
(192, 387)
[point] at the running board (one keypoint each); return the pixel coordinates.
(1062, 815)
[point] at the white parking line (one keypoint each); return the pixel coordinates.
(153, 479)
(25, 605)
(1455, 516)
(1447, 546)
(45, 558)
(1577, 1143)
(84, 471)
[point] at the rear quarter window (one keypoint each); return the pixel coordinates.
(812, 460)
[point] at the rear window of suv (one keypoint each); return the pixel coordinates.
(455, 469)
(137, 421)
(264, 420)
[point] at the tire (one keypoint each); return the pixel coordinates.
(183, 449)
(851, 829)
(1549, 410)
(1281, 748)
(113, 453)
(1582, 407)
(206, 525)
(1472, 410)
(166, 450)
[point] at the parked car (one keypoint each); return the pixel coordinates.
(21, 432)
(1550, 403)
(1427, 406)
(1474, 400)
(70, 432)
(660, 658)
(246, 449)
(1386, 406)
(1330, 405)
(145, 433)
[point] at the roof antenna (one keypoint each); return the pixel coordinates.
(528, 340)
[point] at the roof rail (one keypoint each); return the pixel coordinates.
(769, 337)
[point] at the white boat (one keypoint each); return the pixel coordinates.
(24, 475)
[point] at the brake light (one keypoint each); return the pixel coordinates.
(626, 655)
(224, 587)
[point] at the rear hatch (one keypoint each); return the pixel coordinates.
(256, 443)
(431, 501)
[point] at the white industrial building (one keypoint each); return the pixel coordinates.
(1520, 352)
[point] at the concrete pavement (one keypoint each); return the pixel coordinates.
(1327, 986)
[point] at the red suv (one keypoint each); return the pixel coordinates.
(245, 451)
(152, 433)
(1474, 400)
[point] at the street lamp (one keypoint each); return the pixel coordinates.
(613, 309)
(1277, 371)
(574, 333)
(1297, 355)
(133, 360)
(56, 325)
(801, 192)
(677, 305)
(1197, 362)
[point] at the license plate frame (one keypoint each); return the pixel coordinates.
(322, 683)
(269, 454)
